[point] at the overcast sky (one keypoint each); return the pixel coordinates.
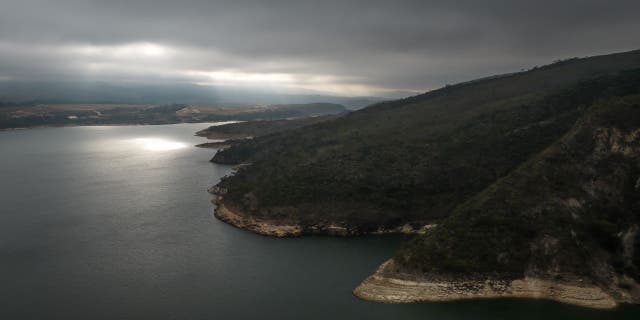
(342, 47)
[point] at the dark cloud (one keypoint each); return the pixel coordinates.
(348, 46)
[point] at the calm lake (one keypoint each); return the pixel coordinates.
(115, 223)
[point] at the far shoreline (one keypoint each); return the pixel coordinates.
(101, 125)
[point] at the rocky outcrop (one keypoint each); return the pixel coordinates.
(240, 220)
(291, 228)
(280, 229)
(267, 228)
(563, 226)
(405, 229)
(391, 286)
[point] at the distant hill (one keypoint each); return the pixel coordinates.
(271, 112)
(509, 167)
(252, 129)
(19, 116)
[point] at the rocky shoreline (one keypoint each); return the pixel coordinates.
(263, 227)
(387, 285)
(390, 285)
(235, 217)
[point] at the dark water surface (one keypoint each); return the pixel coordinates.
(115, 223)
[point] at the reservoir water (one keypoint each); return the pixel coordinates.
(115, 223)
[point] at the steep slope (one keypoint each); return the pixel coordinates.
(563, 226)
(401, 165)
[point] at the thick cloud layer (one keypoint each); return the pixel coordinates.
(347, 47)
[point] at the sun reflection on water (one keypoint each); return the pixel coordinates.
(158, 144)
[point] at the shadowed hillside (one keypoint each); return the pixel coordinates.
(233, 133)
(533, 180)
(414, 160)
(564, 226)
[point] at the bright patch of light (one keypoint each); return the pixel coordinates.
(243, 78)
(156, 144)
(125, 51)
(151, 50)
(314, 83)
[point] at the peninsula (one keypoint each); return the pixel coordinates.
(519, 185)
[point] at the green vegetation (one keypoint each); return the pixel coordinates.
(414, 160)
(559, 213)
(536, 172)
(259, 128)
